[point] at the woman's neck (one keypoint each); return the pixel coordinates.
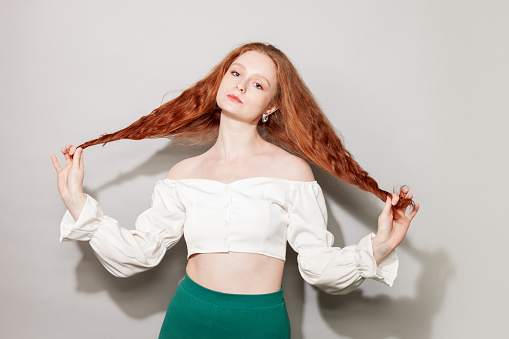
(237, 140)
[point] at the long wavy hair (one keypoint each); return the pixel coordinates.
(298, 126)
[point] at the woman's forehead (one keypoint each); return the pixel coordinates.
(256, 62)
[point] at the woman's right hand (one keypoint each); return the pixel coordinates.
(70, 179)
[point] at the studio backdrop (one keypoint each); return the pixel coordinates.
(418, 91)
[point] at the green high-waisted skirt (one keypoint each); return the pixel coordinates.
(198, 312)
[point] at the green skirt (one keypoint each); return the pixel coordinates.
(198, 312)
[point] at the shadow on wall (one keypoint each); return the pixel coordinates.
(352, 315)
(356, 316)
(149, 292)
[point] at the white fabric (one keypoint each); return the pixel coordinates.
(255, 215)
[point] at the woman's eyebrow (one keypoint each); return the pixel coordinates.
(257, 74)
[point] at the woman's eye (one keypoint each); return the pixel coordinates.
(235, 73)
(257, 85)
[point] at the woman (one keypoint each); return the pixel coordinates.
(239, 202)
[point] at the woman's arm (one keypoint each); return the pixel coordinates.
(123, 252)
(332, 269)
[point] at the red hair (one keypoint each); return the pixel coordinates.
(298, 126)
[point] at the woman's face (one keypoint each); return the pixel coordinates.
(248, 88)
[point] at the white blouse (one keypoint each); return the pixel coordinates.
(255, 215)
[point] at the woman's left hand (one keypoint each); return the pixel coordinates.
(391, 231)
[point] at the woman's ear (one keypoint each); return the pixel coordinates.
(271, 109)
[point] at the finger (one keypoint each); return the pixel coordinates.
(76, 159)
(66, 156)
(55, 163)
(71, 149)
(414, 212)
(395, 199)
(81, 158)
(387, 207)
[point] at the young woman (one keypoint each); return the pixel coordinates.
(239, 202)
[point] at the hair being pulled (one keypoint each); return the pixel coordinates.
(298, 126)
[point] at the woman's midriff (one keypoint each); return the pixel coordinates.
(236, 272)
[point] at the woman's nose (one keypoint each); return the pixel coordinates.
(240, 86)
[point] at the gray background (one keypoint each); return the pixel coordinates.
(418, 89)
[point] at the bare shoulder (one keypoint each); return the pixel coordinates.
(293, 167)
(182, 169)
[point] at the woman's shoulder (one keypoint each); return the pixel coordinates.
(182, 168)
(293, 167)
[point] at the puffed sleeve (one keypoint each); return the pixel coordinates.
(126, 252)
(333, 270)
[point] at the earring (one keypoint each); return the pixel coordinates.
(265, 117)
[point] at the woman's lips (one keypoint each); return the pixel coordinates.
(234, 98)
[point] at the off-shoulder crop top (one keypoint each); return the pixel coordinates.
(255, 215)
